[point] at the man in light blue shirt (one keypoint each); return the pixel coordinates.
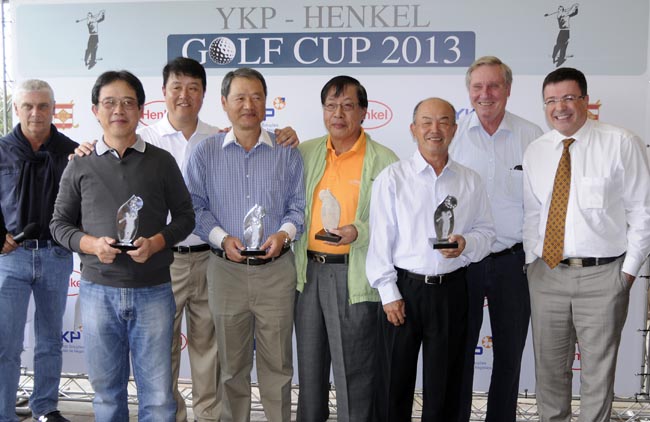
(492, 141)
(250, 297)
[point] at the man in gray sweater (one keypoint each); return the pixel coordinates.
(127, 305)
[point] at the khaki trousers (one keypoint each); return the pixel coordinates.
(189, 284)
(584, 304)
(252, 307)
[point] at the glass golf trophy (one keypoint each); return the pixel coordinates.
(443, 221)
(127, 223)
(254, 232)
(330, 216)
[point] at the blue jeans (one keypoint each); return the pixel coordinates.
(119, 321)
(46, 273)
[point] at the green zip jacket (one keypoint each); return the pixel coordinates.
(376, 158)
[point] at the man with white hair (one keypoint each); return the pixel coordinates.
(32, 159)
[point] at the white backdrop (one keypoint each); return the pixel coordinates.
(141, 36)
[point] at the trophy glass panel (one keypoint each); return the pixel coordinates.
(254, 231)
(443, 221)
(330, 216)
(127, 223)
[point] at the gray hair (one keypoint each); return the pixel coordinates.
(489, 61)
(31, 85)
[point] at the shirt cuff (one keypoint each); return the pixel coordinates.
(631, 265)
(216, 236)
(290, 229)
(389, 292)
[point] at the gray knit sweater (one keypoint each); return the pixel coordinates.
(94, 187)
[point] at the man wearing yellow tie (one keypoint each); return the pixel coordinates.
(586, 234)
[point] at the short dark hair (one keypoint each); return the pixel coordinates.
(242, 72)
(186, 67)
(118, 75)
(339, 83)
(566, 74)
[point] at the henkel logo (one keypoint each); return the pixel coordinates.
(183, 341)
(73, 285)
(153, 111)
(577, 364)
(378, 115)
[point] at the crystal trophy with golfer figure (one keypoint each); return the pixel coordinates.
(330, 216)
(443, 221)
(254, 232)
(127, 223)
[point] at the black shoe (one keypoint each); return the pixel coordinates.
(52, 417)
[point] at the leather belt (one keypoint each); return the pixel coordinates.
(437, 279)
(193, 248)
(35, 244)
(517, 247)
(589, 262)
(251, 260)
(327, 258)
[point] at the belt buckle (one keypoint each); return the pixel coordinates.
(31, 245)
(435, 280)
(320, 258)
(575, 262)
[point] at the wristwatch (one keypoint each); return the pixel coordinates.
(287, 238)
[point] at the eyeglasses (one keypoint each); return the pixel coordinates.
(568, 99)
(126, 103)
(335, 106)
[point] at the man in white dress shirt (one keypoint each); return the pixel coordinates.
(492, 141)
(422, 289)
(584, 261)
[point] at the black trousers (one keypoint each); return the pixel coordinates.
(504, 283)
(436, 318)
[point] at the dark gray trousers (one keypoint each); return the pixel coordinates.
(331, 331)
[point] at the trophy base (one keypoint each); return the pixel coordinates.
(124, 246)
(442, 244)
(252, 252)
(327, 236)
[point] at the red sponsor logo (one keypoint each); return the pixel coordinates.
(378, 115)
(183, 341)
(593, 110)
(63, 117)
(73, 285)
(153, 111)
(577, 365)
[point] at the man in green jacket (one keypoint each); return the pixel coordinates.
(336, 309)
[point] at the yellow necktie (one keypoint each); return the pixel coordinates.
(554, 236)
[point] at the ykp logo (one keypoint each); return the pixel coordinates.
(70, 336)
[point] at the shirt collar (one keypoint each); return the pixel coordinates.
(421, 165)
(358, 144)
(264, 138)
(582, 135)
(165, 128)
(504, 125)
(102, 148)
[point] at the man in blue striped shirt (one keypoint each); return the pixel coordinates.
(250, 297)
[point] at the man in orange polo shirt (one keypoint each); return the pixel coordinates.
(336, 309)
